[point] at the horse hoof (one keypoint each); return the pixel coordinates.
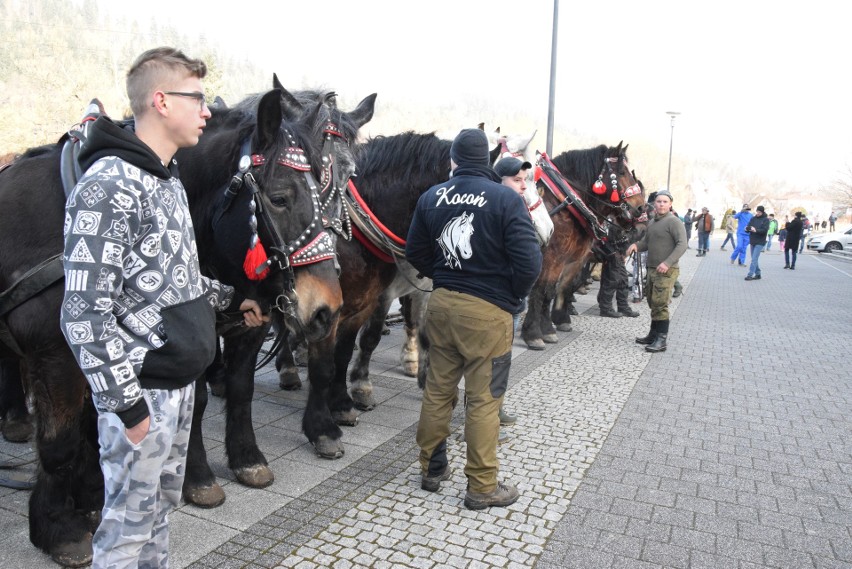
(345, 418)
(289, 380)
(410, 369)
(17, 430)
(363, 400)
(564, 327)
(550, 338)
(329, 448)
(205, 496)
(218, 388)
(257, 476)
(537, 344)
(73, 554)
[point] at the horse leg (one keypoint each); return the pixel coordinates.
(531, 330)
(285, 362)
(17, 423)
(215, 374)
(562, 310)
(244, 456)
(327, 383)
(199, 484)
(371, 333)
(66, 501)
(413, 311)
(417, 345)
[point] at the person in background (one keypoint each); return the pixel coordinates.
(140, 348)
(665, 241)
(614, 276)
(791, 244)
(832, 219)
(743, 217)
(729, 228)
(806, 229)
(705, 224)
(773, 229)
(476, 241)
(513, 174)
(687, 225)
(757, 228)
(782, 237)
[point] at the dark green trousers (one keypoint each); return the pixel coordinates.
(470, 338)
(659, 290)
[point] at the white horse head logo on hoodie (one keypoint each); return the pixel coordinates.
(455, 240)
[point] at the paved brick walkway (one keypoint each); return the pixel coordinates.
(729, 450)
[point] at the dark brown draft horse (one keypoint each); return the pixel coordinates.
(334, 133)
(392, 173)
(603, 181)
(65, 504)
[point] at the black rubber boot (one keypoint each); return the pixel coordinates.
(659, 343)
(652, 335)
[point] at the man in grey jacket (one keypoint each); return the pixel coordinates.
(665, 242)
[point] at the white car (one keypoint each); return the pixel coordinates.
(836, 241)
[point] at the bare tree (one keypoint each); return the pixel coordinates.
(840, 188)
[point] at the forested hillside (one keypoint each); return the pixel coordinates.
(56, 55)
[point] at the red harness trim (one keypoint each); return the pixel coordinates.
(378, 253)
(554, 189)
(535, 205)
(388, 233)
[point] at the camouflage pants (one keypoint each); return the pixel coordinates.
(659, 291)
(143, 482)
(470, 337)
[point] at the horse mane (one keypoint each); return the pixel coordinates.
(419, 159)
(582, 165)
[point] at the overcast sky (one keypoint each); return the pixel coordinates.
(757, 83)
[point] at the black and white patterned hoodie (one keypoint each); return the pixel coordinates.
(137, 311)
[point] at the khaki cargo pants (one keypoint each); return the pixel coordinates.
(659, 290)
(469, 337)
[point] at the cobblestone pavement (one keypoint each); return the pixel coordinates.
(728, 450)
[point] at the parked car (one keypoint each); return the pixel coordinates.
(836, 241)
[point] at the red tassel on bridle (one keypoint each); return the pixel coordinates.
(256, 257)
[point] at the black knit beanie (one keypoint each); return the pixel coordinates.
(470, 148)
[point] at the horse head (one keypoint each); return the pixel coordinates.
(338, 130)
(617, 184)
(268, 222)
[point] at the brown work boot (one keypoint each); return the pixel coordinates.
(431, 483)
(502, 496)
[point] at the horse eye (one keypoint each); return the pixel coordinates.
(279, 201)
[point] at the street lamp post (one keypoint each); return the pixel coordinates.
(672, 114)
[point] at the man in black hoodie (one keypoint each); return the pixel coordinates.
(137, 314)
(476, 241)
(757, 229)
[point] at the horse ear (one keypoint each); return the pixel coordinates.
(291, 108)
(364, 111)
(269, 118)
(494, 154)
(276, 84)
(481, 126)
(624, 150)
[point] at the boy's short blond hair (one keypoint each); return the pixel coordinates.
(154, 67)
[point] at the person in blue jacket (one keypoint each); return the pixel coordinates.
(743, 217)
(474, 238)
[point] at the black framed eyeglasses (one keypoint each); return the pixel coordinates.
(198, 96)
